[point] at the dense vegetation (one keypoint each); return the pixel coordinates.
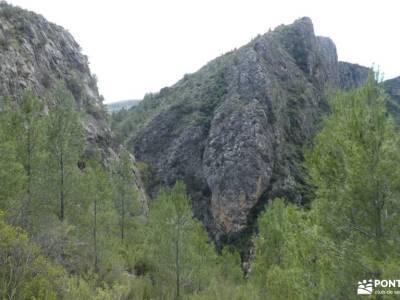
(71, 226)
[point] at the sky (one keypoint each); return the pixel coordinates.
(140, 46)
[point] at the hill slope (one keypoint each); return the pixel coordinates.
(234, 131)
(35, 54)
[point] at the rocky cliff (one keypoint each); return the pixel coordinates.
(234, 131)
(35, 54)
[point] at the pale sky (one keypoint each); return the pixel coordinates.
(139, 46)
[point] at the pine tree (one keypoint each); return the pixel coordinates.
(355, 169)
(29, 129)
(12, 174)
(177, 245)
(286, 249)
(98, 193)
(65, 145)
(350, 233)
(124, 192)
(23, 137)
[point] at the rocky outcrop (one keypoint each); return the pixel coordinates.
(35, 54)
(234, 131)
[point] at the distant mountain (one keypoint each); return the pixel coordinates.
(116, 106)
(235, 131)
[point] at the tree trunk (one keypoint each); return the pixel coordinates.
(122, 219)
(95, 236)
(61, 162)
(177, 263)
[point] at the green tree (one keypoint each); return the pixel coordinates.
(29, 131)
(23, 132)
(177, 246)
(355, 169)
(350, 233)
(286, 249)
(12, 174)
(65, 145)
(103, 221)
(124, 192)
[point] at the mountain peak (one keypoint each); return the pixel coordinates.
(303, 25)
(303, 20)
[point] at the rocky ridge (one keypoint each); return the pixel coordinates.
(235, 130)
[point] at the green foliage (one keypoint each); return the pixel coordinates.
(147, 175)
(228, 291)
(177, 246)
(103, 221)
(196, 96)
(350, 233)
(286, 249)
(125, 194)
(355, 167)
(30, 132)
(23, 134)
(74, 86)
(229, 265)
(24, 273)
(65, 200)
(87, 239)
(65, 145)
(11, 187)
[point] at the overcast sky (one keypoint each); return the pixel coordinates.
(135, 47)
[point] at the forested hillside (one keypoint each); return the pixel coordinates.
(271, 173)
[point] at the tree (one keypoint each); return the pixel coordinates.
(98, 192)
(12, 174)
(23, 132)
(355, 169)
(350, 233)
(65, 145)
(124, 192)
(29, 131)
(286, 250)
(177, 246)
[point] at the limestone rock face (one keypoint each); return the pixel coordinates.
(235, 130)
(35, 54)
